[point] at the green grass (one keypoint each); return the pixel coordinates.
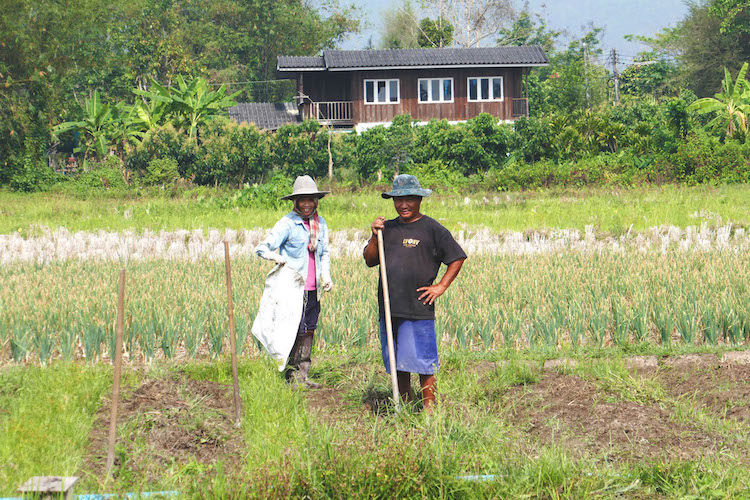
(609, 210)
(46, 414)
(292, 451)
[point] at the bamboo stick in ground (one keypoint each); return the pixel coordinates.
(118, 370)
(388, 323)
(232, 337)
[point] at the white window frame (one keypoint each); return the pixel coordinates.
(492, 98)
(387, 91)
(430, 99)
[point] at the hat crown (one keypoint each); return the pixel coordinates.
(406, 185)
(406, 181)
(305, 185)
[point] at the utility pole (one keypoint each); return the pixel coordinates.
(616, 74)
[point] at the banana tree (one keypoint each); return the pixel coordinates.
(94, 127)
(731, 104)
(103, 127)
(186, 106)
(194, 103)
(153, 109)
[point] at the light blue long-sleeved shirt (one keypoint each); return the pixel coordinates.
(290, 237)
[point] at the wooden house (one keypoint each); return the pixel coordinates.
(364, 88)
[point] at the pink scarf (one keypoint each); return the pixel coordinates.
(314, 227)
(314, 222)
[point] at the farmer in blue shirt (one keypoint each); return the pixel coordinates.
(301, 237)
(415, 246)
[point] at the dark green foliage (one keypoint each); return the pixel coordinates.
(702, 158)
(29, 171)
(267, 194)
(55, 55)
(435, 33)
(713, 35)
(165, 142)
(301, 149)
(529, 29)
(654, 78)
(232, 154)
(646, 141)
(161, 172)
(107, 175)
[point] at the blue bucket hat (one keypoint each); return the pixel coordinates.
(406, 185)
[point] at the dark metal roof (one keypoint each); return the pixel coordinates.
(265, 115)
(347, 60)
(300, 62)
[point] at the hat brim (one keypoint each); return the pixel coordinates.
(317, 194)
(424, 193)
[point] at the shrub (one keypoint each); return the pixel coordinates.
(29, 169)
(266, 195)
(300, 149)
(164, 142)
(104, 175)
(436, 173)
(161, 172)
(232, 154)
(369, 146)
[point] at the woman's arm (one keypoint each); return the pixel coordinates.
(278, 235)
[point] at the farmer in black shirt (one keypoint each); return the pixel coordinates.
(415, 245)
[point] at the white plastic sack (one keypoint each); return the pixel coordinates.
(280, 312)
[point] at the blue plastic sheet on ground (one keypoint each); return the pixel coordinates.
(103, 496)
(145, 494)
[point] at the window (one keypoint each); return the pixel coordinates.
(435, 89)
(486, 88)
(381, 91)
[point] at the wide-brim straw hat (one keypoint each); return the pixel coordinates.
(304, 185)
(406, 185)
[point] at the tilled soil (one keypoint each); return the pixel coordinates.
(168, 421)
(570, 412)
(176, 420)
(722, 389)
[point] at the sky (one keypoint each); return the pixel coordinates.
(617, 17)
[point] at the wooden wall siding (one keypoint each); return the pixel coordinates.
(324, 86)
(459, 109)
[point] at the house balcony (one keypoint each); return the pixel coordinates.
(334, 113)
(520, 107)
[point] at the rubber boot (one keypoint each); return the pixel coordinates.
(294, 360)
(428, 391)
(301, 377)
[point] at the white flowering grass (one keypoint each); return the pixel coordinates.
(193, 246)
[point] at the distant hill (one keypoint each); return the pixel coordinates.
(617, 17)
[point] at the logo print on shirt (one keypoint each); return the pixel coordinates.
(410, 243)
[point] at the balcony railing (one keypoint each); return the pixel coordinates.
(520, 107)
(330, 112)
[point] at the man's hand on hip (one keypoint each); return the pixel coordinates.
(430, 293)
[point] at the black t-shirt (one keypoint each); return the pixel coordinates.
(413, 254)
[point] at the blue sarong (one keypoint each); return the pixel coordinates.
(415, 344)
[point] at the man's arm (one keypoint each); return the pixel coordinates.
(432, 292)
(370, 253)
